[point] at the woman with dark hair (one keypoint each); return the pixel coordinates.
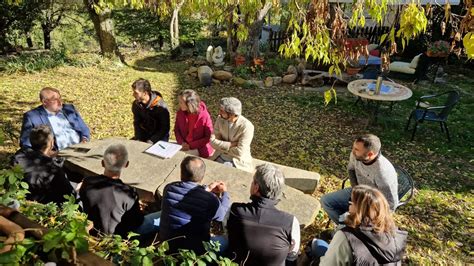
(370, 236)
(193, 126)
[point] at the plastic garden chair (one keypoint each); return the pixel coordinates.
(425, 112)
(406, 187)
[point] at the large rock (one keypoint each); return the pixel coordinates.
(257, 83)
(222, 75)
(292, 70)
(268, 82)
(277, 80)
(290, 78)
(192, 69)
(205, 75)
(239, 81)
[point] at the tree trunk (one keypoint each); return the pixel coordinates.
(256, 30)
(174, 26)
(104, 28)
(173, 30)
(230, 25)
(46, 36)
(29, 41)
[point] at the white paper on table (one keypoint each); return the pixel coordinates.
(164, 149)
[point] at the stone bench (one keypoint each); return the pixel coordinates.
(150, 173)
(302, 180)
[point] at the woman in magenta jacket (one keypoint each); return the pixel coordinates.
(193, 126)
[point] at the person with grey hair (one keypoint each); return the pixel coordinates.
(112, 205)
(65, 121)
(367, 166)
(259, 233)
(233, 134)
(193, 126)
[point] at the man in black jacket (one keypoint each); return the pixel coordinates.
(110, 204)
(260, 234)
(151, 118)
(43, 173)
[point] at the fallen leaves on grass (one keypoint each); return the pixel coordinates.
(292, 127)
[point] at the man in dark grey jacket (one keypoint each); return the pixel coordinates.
(259, 233)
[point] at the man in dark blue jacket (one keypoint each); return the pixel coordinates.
(66, 123)
(188, 208)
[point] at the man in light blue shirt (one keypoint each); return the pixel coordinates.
(66, 123)
(65, 134)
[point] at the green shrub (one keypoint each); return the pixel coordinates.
(190, 30)
(243, 72)
(278, 65)
(141, 26)
(67, 235)
(35, 62)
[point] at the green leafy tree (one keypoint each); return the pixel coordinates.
(18, 15)
(53, 11)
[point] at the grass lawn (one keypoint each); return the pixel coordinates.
(293, 127)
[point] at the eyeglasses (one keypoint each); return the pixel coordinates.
(53, 100)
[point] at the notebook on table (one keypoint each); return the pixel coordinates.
(164, 149)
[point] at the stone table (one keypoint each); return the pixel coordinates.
(390, 92)
(151, 173)
(394, 92)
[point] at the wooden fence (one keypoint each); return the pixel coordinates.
(373, 34)
(275, 39)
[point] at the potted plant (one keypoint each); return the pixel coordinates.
(258, 61)
(352, 67)
(438, 49)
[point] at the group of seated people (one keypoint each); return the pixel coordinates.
(257, 233)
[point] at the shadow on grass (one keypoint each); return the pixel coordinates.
(437, 222)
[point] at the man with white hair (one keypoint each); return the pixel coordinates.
(233, 134)
(110, 204)
(259, 233)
